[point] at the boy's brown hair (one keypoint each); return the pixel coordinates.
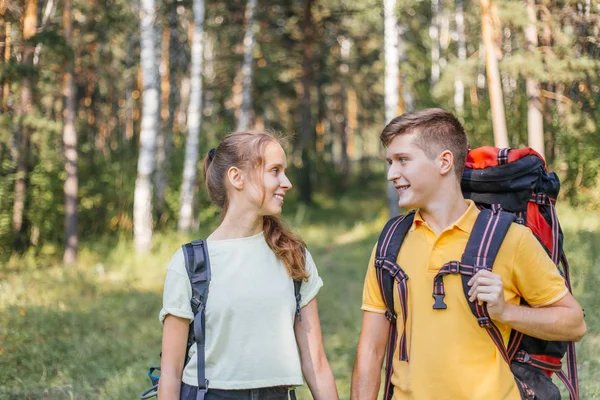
(436, 130)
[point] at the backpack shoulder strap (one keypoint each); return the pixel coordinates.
(485, 240)
(298, 296)
(388, 247)
(387, 270)
(197, 265)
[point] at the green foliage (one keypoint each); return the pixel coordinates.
(105, 51)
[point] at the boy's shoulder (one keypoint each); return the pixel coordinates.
(516, 234)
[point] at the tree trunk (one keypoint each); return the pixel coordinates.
(407, 97)
(249, 40)
(129, 86)
(70, 144)
(194, 121)
(168, 89)
(391, 84)
(4, 42)
(535, 123)
(345, 131)
(142, 211)
(493, 77)
(22, 134)
(459, 86)
(306, 125)
(434, 34)
(48, 14)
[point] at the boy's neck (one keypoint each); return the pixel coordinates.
(442, 213)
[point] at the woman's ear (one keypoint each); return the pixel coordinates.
(446, 159)
(236, 178)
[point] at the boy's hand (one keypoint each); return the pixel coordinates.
(487, 287)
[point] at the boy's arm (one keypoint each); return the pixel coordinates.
(366, 376)
(561, 320)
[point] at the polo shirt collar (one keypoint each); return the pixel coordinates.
(465, 222)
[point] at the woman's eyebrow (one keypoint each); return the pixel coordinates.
(276, 165)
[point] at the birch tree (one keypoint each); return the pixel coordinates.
(535, 123)
(391, 83)
(459, 85)
(193, 121)
(407, 96)
(247, 68)
(142, 208)
(70, 145)
(434, 34)
(493, 77)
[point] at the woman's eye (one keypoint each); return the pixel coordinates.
(275, 170)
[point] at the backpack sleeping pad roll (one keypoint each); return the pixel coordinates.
(508, 185)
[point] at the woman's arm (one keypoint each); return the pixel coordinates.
(315, 366)
(174, 342)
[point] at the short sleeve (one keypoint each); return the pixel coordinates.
(372, 300)
(177, 293)
(311, 287)
(536, 277)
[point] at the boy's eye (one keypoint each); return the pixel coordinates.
(275, 170)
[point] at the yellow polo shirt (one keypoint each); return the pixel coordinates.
(450, 356)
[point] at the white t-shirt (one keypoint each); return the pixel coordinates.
(250, 311)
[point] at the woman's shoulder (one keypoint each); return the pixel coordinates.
(177, 262)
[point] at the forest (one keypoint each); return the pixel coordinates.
(107, 108)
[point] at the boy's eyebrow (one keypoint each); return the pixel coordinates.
(398, 155)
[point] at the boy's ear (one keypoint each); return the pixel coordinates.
(236, 178)
(446, 160)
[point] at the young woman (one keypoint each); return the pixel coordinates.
(252, 335)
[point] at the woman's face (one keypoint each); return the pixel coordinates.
(269, 194)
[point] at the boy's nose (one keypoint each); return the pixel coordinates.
(393, 174)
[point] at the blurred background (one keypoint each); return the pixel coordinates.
(107, 108)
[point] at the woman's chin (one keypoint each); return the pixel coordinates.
(272, 211)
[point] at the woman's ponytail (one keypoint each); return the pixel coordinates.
(287, 246)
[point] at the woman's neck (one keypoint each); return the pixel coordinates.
(237, 224)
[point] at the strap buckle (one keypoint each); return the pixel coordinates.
(523, 357)
(453, 267)
(439, 302)
(484, 322)
(390, 316)
(205, 387)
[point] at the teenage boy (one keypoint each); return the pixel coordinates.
(449, 355)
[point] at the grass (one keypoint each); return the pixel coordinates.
(92, 332)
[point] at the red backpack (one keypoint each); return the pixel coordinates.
(509, 186)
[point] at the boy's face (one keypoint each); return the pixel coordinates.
(414, 175)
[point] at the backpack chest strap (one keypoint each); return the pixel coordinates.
(452, 267)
